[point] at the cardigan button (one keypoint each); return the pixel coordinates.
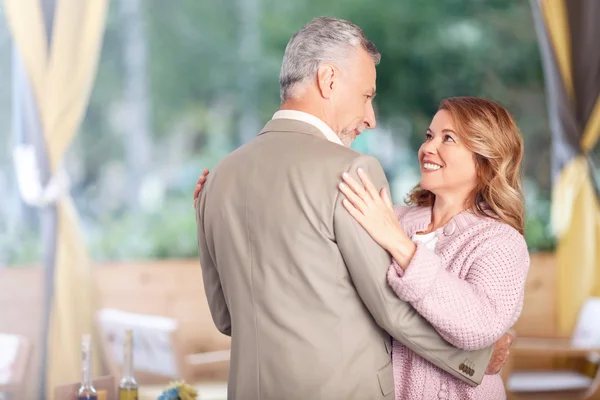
(442, 394)
(449, 228)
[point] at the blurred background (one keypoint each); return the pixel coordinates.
(178, 81)
(175, 86)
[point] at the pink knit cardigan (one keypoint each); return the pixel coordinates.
(470, 289)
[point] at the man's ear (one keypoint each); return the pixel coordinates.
(327, 76)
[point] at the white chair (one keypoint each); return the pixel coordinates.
(568, 384)
(154, 353)
(15, 360)
(157, 354)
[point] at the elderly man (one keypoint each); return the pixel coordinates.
(288, 273)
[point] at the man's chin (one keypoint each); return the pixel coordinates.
(347, 138)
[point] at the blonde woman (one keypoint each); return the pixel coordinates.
(459, 256)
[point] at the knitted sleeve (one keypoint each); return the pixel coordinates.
(474, 311)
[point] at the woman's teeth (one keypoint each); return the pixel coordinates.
(431, 166)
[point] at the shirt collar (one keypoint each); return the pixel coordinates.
(309, 119)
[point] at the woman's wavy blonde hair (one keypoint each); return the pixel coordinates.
(487, 129)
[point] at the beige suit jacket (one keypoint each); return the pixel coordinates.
(298, 285)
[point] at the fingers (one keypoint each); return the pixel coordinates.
(501, 352)
(512, 335)
(202, 177)
(200, 184)
(354, 212)
(494, 368)
(198, 189)
(356, 187)
(196, 194)
(387, 199)
(507, 339)
(355, 200)
(496, 363)
(367, 183)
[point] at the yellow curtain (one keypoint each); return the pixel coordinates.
(575, 209)
(62, 81)
(555, 15)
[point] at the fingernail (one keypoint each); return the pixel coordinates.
(360, 170)
(342, 185)
(345, 174)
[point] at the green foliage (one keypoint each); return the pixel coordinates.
(26, 253)
(537, 225)
(431, 49)
(537, 234)
(152, 235)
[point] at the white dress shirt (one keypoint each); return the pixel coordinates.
(309, 119)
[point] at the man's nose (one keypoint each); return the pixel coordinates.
(370, 120)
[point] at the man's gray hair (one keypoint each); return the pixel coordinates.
(322, 40)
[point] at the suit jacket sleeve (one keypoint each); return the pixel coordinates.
(368, 265)
(210, 275)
